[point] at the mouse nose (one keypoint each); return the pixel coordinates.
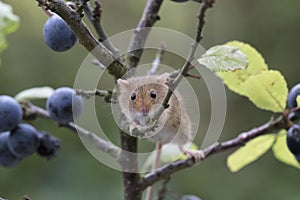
(144, 110)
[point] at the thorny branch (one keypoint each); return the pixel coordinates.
(273, 126)
(106, 94)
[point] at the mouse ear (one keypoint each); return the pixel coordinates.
(163, 78)
(123, 83)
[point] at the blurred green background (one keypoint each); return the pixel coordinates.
(271, 26)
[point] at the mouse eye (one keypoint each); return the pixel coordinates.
(133, 96)
(153, 94)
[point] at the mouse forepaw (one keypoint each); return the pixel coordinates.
(198, 155)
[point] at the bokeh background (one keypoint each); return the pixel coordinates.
(271, 26)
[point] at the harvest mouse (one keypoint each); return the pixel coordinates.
(139, 98)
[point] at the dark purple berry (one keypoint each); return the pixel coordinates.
(293, 140)
(10, 113)
(7, 158)
(23, 141)
(292, 102)
(292, 96)
(64, 105)
(58, 35)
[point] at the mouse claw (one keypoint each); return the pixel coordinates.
(198, 155)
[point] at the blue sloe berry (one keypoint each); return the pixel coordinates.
(10, 113)
(23, 140)
(292, 101)
(7, 158)
(293, 140)
(58, 35)
(292, 96)
(64, 105)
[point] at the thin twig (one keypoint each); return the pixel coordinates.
(80, 8)
(100, 143)
(95, 18)
(107, 94)
(157, 60)
(137, 43)
(273, 126)
(85, 37)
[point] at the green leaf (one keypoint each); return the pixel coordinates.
(267, 90)
(35, 93)
(8, 23)
(224, 58)
(250, 152)
(169, 153)
(281, 151)
(256, 63)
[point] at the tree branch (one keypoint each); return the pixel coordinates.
(128, 161)
(274, 125)
(107, 94)
(95, 17)
(135, 50)
(85, 37)
(31, 111)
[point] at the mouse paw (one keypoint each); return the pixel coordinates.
(198, 155)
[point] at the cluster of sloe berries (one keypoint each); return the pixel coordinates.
(18, 140)
(293, 133)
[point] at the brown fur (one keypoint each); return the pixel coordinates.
(177, 122)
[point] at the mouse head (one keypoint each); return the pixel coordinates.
(140, 96)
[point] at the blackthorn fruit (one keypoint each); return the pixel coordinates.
(292, 97)
(293, 140)
(7, 158)
(23, 141)
(58, 35)
(10, 113)
(64, 105)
